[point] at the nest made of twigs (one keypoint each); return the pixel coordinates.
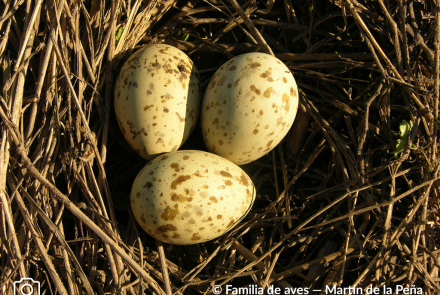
(345, 200)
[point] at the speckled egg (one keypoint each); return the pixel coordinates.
(188, 197)
(157, 99)
(249, 106)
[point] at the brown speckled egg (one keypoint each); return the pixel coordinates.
(249, 106)
(157, 99)
(188, 197)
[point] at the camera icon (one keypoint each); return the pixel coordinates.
(26, 286)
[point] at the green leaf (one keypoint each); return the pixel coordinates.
(119, 34)
(404, 128)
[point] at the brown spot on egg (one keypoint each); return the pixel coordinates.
(169, 213)
(180, 198)
(267, 92)
(176, 236)
(279, 121)
(167, 227)
(175, 166)
(228, 182)
(231, 223)
(143, 219)
(269, 143)
(179, 180)
(186, 157)
(214, 200)
(215, 121)
(243, 180)
(196, 237)
(147, 107)
(219, 112)
(138, 194)
(189, 192)
(148, 185)
(255, 65)
(165, 110)
(255, 89)
(191, 221)
(293, 92)
(261, 112)
(219, 216)
(180, 118)
(255, 131)
(232, 68)
(285, 97)
(220, 142)
(221, 81)
(225, 174)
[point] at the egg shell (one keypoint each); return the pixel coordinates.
(249, 106)
(157, 99)
(188, 197)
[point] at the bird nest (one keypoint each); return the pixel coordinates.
(347, 201)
